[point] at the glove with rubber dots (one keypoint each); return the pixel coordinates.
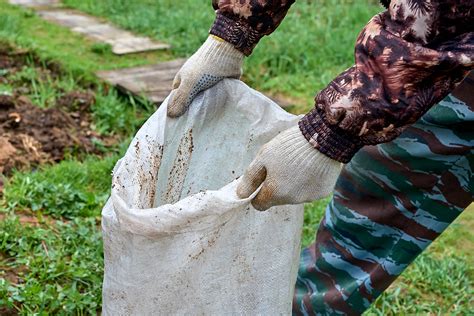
(215, 60)
(290, 170)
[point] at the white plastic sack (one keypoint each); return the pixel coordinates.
(177, 239)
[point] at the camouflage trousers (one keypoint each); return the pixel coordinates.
(390, 202)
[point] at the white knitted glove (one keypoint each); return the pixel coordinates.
(291, 170)
(215, 60)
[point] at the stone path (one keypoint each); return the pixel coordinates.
(153, 82)
(122, 42)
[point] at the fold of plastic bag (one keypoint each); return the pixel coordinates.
(177, 239)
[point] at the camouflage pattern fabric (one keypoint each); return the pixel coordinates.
(407, 59)
(390, 202)
(244, 22)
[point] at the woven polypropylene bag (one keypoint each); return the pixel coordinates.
(177, 239)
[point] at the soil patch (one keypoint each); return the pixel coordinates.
(5, 311)
(30, 135)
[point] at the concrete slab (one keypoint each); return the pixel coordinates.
(152, 82)
(122, 42)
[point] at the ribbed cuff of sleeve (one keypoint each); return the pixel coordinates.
(332, 143)
(237, 32)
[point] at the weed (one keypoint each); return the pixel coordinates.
(112, 114)
(69, 189)
(6, 89)
(101, 48)
(58, 267)
(43, 92)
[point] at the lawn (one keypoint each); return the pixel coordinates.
(50, 239)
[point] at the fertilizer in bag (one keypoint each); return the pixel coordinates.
(177, 239)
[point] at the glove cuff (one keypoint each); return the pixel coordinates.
(220, 52)
(237, 32)
(334, 144)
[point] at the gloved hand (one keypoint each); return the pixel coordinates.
(292, 172)
(215, 60)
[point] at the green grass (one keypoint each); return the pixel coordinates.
(43, 92)
(59, 263)
(313, 212)
(68, 190)
(6, 89)
(55, 266)
(59, 266)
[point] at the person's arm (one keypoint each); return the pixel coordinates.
(238, 27)
(407, 59)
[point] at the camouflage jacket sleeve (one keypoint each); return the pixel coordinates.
(244, 22)
(407, 59)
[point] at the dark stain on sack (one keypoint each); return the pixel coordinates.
(178, 172)
(148, 172)
(207, 242)
(145, 175)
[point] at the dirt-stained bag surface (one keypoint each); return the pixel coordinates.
(177, 239)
